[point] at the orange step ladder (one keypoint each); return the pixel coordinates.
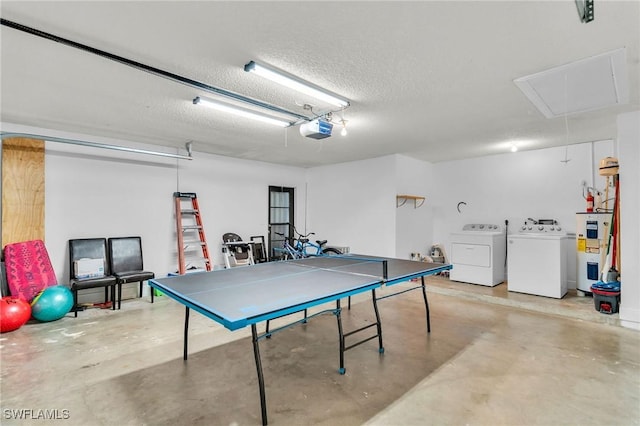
(193, 226)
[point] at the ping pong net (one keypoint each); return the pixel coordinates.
(368, 266)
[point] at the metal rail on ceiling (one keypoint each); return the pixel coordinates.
(152, 70)
(5, 135)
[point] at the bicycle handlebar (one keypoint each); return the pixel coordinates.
(302, 235)
(296, 231)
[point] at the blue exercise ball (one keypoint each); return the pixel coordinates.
(52, 303)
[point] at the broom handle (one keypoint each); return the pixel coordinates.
(617, 239)
(604, 245)
(613, 231)
(606, 196)
(616, 227)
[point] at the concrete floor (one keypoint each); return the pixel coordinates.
(492, 358)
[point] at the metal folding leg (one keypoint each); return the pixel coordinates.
(256, 354)
(343, 336)
(186, 332)
(255, 337)
(341, 369)
(424, 296)
(426, 305)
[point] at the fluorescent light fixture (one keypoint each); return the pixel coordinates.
(242, 112)
(295, 83)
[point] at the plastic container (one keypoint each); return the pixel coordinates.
(606, 297)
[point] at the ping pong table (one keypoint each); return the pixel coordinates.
(247, 295)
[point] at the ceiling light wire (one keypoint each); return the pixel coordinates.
(566, 123)
(344, 131)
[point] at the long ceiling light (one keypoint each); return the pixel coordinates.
(295, 83)
(154, 71)
(243, 112)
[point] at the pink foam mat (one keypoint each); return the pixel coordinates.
(29, 269)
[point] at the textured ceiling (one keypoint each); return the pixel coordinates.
(431, 80)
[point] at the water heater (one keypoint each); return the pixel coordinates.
(592, 236)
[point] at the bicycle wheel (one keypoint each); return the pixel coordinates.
(330, 251)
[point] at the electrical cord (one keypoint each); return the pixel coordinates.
(506, 241)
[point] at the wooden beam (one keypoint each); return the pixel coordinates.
(22, 190)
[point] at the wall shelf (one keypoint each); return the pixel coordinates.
(402, 199)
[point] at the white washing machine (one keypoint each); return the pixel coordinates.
(537, 260)
(478, 254)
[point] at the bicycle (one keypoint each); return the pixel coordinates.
(300, 249)
(303, 247)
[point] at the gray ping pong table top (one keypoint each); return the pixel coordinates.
(240, 296)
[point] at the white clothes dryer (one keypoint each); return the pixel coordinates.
(478, 254)
(537, 260)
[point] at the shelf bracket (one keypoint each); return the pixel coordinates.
(401, 200)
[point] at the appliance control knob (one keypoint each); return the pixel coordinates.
(529, 228)
(523, 228)
(559, 229)
(481, 226)
(553, 228)
(540, 227)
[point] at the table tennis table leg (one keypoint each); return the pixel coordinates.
(343, 335)
(341, 370)
(186, 332)
(256, 354)
(426, 305)
(378, 323)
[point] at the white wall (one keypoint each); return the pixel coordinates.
(234, 195)
(96, 193)
(629, 148)
(414, 226)
(353, 204)
(93, 192)
(516, 186)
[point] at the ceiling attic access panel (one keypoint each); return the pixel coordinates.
(589, 84)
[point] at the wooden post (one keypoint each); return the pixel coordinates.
(22, 190)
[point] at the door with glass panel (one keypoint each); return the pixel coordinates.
(281, 218)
